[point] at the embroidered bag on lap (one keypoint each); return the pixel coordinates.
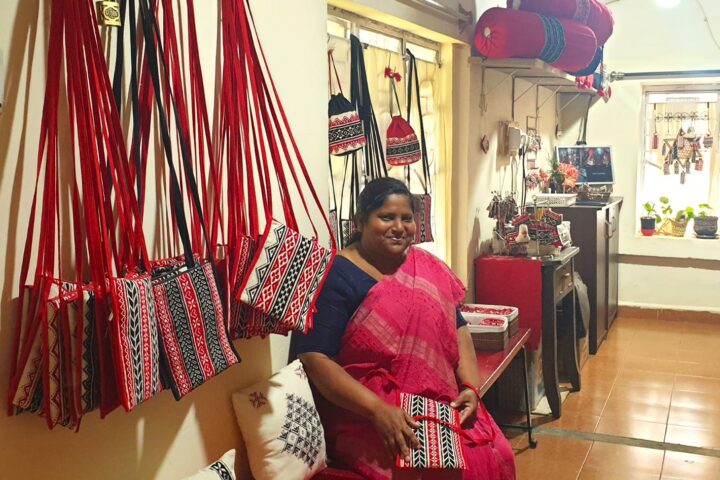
(440, 443)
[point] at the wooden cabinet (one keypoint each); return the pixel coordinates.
(594, 228)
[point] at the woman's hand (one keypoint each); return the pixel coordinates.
(395, 427)
(467, 402)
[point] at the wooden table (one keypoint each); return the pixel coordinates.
(492, 364)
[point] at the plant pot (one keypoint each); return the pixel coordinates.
(678, 227)
(705, 226)
(647, 226)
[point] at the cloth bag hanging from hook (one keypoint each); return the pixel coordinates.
(403, 147)
(345, 129)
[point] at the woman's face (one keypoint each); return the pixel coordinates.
(391, 228)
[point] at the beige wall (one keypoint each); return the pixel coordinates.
(162, 439)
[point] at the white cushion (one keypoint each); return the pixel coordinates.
(223, 469)
(281, 426)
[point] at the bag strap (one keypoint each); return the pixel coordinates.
(414, 80)
(331, 61)
(374, 166)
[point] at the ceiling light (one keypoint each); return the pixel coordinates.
(667, 3)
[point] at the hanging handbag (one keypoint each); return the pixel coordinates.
(194, 343)
(345, 129)
(403, 147)
(422, 203)
(286, 274)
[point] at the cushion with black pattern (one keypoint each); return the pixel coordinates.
(281, 426)
(223, 469)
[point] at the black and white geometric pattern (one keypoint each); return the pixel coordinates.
(554, 40)
(302, 433)
(223, 471)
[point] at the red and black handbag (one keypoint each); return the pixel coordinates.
(402, 144)
(345, 129)
(287, 271)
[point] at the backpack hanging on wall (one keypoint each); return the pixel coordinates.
(345, 129)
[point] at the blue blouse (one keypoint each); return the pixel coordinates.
(345, 288)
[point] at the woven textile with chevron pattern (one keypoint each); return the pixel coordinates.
(440, 445)
(135, 341)
(192, 327)
(422, 206)
(284, 279)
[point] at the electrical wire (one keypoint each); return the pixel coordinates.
(707, 24)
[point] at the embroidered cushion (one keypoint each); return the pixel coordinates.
(281, 427)
(223, 469)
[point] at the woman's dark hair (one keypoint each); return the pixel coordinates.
(373, 197)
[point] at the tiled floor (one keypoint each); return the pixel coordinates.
(649, 407)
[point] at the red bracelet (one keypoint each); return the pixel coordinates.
(472, 387)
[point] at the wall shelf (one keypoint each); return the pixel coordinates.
(537, 73)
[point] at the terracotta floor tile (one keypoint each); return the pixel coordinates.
(693, 417)
(690, 383)
(630, 314)
(650, 396)
(708, 402)
(623, 459)
(551, 448)
(642, 378)
(588, 404)
(572, 420)
(636, 411)
(694, 437)
(704, 369)
(537, 469)
(628, 427)
(689, 466)
(591, 474)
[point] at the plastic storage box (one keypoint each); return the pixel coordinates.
(476, 311)
(489, 333)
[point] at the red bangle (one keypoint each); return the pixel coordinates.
(472, 387)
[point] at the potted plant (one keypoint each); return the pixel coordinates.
(647, 222)
(705, 225)
(676, 225)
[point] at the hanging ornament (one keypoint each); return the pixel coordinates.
(687, 167)
(699, 165)
(676, 167)
(682, 178)
(708, 140)
(666, 168)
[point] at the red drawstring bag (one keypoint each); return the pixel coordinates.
(565, 44)
(402, 145)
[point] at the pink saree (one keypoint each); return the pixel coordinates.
(405, 328)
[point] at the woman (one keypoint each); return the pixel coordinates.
(388, 313)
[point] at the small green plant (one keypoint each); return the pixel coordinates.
(665, 206)
(704, 210)
(688, 213)
(651, 212)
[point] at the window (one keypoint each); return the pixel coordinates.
(680, 145)
(385, 47)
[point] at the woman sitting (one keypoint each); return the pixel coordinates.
(387, 319)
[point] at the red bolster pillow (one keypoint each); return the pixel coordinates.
(593, 13)
(504, 33)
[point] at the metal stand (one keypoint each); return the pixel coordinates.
(528, 427)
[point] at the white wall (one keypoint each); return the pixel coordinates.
(665, 40)
(162, 439)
